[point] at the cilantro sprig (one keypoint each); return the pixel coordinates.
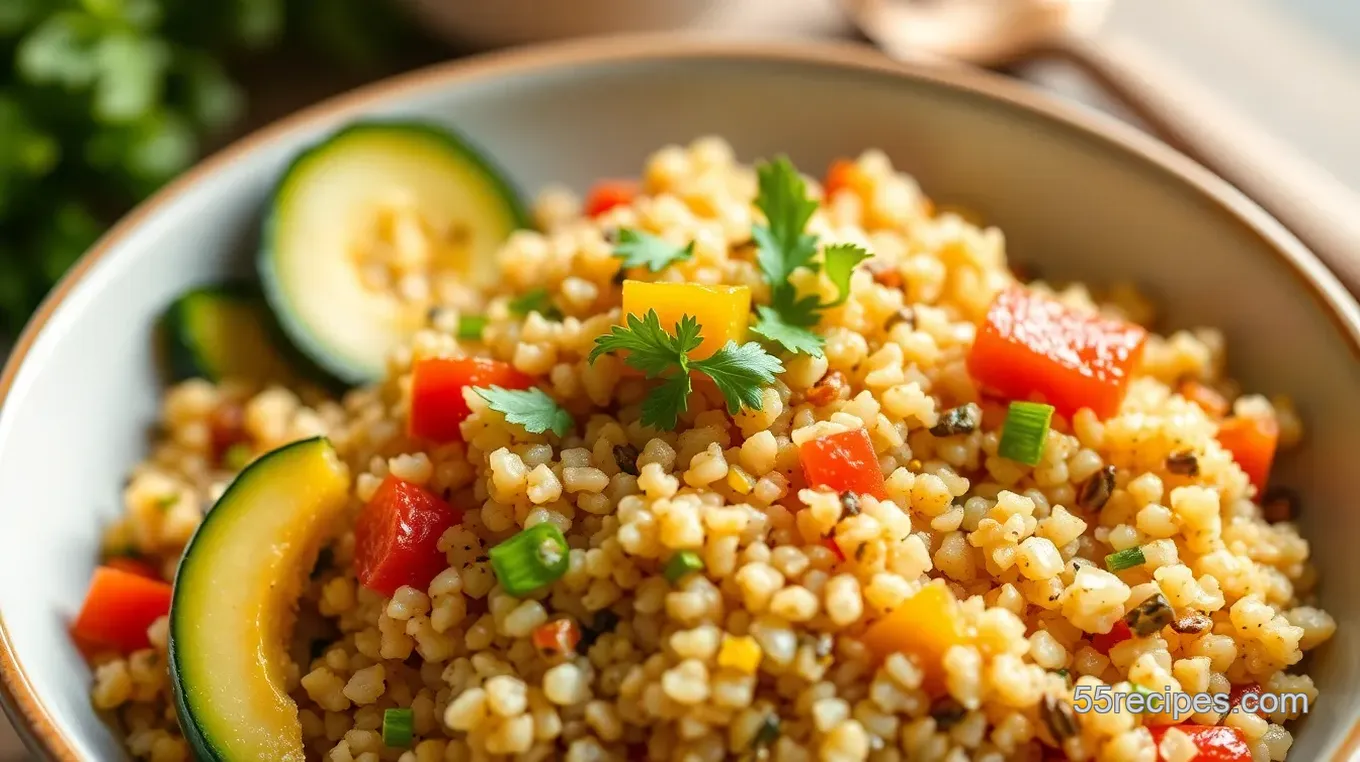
(783, 246)
(535, 300)
(531, 408)
(740, 371)
(639, 249)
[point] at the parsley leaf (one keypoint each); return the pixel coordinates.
(537, 300)
(662, 408)
(839, 261)
(531, 408)
(739, 371)
(782, 247)
(795, 337)
(639, 249)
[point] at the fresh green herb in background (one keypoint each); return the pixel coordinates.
(103, 101)
(782, 246)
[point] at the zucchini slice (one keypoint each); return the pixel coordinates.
(235, 603)
(223, 331)
(355, 215)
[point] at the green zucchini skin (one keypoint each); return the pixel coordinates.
(382, 149)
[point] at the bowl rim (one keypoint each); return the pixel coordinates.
(32, 720)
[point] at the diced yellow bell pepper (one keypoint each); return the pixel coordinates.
(742, 654)
(722, 311)
(924, 627)
(740, 481)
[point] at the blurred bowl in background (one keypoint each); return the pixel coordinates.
(496, 23)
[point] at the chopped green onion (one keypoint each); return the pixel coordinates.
(1026, 428)
(682, 563)
(531, 560)
(1125, 559)
(767, 733)
(397, 727)
(237, 456)
(1064, 674)
(470, 327)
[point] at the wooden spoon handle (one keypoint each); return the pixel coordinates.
(1318, 208)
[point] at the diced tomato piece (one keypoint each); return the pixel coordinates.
(133, 566)
(438, 407)
(1203, 395)
(559, 636)
(845, 174)
(608, 194)
(118, 609)
(1103, 642)
(1215, 743)
(396, 538)
(1031, 345)
(1252, 444)
(844, 462)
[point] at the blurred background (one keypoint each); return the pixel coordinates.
(104, 101)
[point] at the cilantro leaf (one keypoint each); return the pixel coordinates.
(662, 408)
(531, 408)
(794, 338)
(839, 262)
(782, 246)
(740, 371)
(537, 300)
(639, 249)
(650, 349)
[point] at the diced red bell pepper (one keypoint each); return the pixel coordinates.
(396, 538)
(607, 194)
(438, 407)
(1252, 444)
(1031, 345)
(1215, 743)
(1208, 400)
(843, 462)
(1236, 694)
(1103, 642)
(844, 174)
(558, 637)
(834, 547)
(118, 609)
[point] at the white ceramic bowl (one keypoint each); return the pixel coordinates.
(1078, 195)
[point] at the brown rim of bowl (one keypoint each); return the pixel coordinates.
(37, 726)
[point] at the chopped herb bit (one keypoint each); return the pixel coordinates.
(1125, 559)
(740, 372)
(397, 727)
(768, 732)
(783, 247)
(531, 408)
(625, 457)
(237, 456)
(1025, 431)
(1192, 624)
(1183, 463)
(947, 713)
(531, 560)
(681, 564)
(849, 504)
(1058, 717)
(470, 327)
(639, 249)
(538, 300)
(905, 315)
(1095, 491)
(1280, 504)
(1064, 674)
(1150, 616)
(963, 419)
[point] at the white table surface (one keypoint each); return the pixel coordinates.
(1292, 65)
